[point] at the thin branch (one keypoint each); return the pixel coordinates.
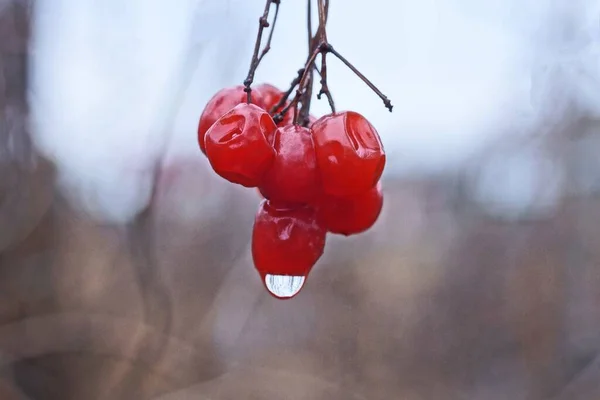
(386, 101)
(318, 70)
(324, 88)
(262, 24)
(268, 44)
(306, 69)
(322, 15)
(309, 23)
(322, 35)
(277, 117)
(301, 116)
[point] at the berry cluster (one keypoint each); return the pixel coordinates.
(316, 175)
(316, 179)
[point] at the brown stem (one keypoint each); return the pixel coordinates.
(309, 25)
(279, 116)
(386, 101)
(322, 13)
(302, 116)
(324, 88)
(268, 44)
(262, 24)
(322, 37)
(305, 73)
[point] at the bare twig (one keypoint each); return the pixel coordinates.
(302, 82)
(386, 101)
(268, 44)
(309, 25)
(279, 116)
(262, 24)
(324, 88)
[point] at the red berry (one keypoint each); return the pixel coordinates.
(223, 101)
(349, 152)
(238, 144)
(293, 177)
(286, 241)
(351, 215)
(271, 96)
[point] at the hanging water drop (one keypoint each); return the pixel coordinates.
(284, 286)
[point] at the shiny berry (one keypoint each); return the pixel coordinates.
(271, 96)
(286, 241)
(349, 152)
(223, 101)
(350, 215)
(237, 144)
(293, 176)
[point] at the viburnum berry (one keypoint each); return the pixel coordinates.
(293, 176)
(286, 241)
(350, 215)
(223, 101)
(238, 145)
(349, 152)
(271, 96)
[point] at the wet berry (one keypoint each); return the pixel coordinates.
(286, 241)
(349, 152)
(293, 176)
(238, 144)
(271, 96)
(351, 215)
(223, 101)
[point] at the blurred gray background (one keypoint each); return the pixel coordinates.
(124, 261)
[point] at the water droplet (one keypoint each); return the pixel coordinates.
(284, 286)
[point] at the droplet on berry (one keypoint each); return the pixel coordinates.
(349, 152)
(350, 215)
(223, 101)
(286, 241)
(284, 286)
(238, 144)
(293, 176)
